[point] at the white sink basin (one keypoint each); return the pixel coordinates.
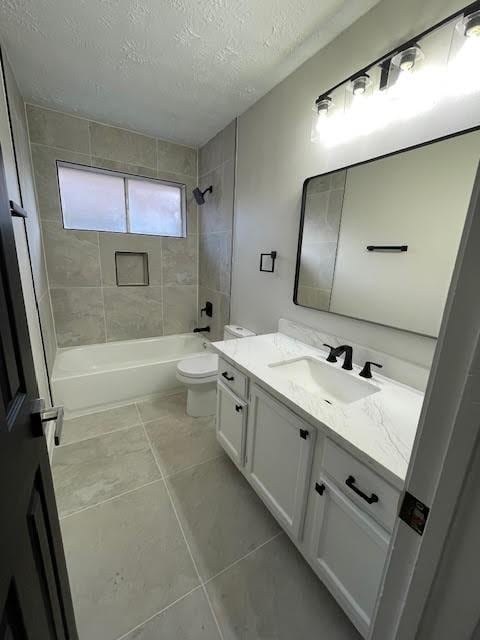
(329, 381)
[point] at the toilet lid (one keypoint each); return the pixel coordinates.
(199, 366)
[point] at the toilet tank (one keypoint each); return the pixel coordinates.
(232, 331)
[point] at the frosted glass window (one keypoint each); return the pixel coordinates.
(154, 208)
(92, 201)
(98, 200)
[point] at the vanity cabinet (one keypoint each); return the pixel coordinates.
(334, 507)
(231, 423)
(279, 455)
(348, 551)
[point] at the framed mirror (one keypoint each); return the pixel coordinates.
(378, 240)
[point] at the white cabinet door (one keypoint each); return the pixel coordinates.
(348, 550)
(231, 423)
(279, 455)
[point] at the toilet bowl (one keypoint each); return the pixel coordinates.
(199, 374)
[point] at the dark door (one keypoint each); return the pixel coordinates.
(35, 600)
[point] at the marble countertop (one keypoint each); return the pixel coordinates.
(379, 429)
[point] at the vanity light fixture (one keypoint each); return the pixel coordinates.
(405, 82)
(471, 25)
(405, 60)
(360, 84)
(323, 104)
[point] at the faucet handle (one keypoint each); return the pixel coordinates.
(331, 356)
(366, 372)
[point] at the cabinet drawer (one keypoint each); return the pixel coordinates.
(360, 483)
(232, 378)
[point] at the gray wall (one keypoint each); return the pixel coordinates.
(275, 155)
(88, 307)
(216, 167)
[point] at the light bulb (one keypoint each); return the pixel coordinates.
(360, 84)
(471, 25)
(405, 60)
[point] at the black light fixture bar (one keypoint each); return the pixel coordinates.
(385, 59)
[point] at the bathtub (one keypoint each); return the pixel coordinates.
(116, 373)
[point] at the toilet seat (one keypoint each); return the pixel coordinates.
(199, 367)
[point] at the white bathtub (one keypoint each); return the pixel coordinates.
(118, 372)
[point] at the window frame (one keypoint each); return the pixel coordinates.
(126, 177)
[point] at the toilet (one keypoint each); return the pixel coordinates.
(199, 374)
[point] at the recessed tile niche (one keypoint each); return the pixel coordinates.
(131, 269)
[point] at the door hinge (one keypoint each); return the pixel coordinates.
(304, 434)
(414, 513)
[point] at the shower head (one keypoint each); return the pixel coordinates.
(200, 195)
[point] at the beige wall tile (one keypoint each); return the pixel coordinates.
(72, 256)
(217, 150)
(56, 129)
(215, 255)
(79, 316)
(111, 242)
(46, 182)
(179, 260)
(216, 214)
(133, 312)
(180, 309)
(176, 158)
(124, 167)
(120, 145)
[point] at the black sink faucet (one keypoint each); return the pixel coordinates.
(202, 330)
(335, 352)
(366, 372)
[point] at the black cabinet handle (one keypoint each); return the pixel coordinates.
(319, 488)
(395, 248)
(350, 482)
(227, 377)
(238, 408)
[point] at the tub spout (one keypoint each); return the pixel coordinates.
(201, 330)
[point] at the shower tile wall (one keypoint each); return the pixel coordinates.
(216, 167)
(88, 306)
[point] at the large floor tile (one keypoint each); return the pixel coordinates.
(93, 470)
(96, 424)
(188, 619)
(222, 516)
(127, 560)
(274, 595)
(162, 406)
(180, 443)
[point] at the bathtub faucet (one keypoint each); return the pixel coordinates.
(201, 330)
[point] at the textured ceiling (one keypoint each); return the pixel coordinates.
(177, 69)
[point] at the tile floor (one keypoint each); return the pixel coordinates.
(166, 540)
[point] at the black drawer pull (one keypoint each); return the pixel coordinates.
(350, 482)
(227, 377)
(238, 408)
